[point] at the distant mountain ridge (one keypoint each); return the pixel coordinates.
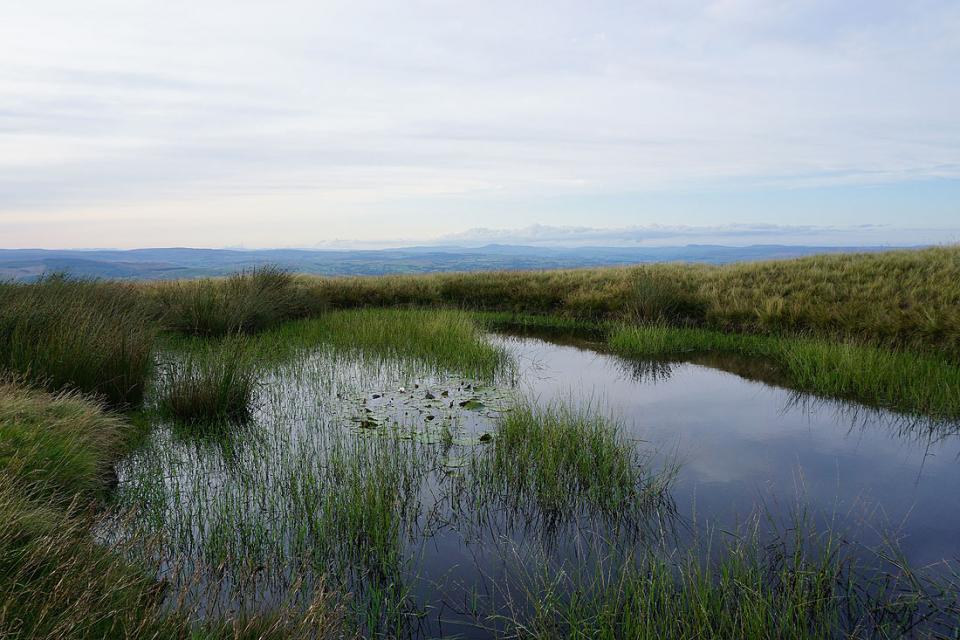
(181, 262)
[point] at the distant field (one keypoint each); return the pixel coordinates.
(174, 263)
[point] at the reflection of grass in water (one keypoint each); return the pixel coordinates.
(791, 583)
(562, 460)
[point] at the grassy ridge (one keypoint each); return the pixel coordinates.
(898, 299)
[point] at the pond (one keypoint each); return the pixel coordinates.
(360, 474)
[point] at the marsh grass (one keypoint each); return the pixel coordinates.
(794, 582)
(245, 302)
(904, 381)
(61, 446)
(209, 382)
(561, 460)
(898, 299)
(446, 339)
(57, 582)
(67, 333)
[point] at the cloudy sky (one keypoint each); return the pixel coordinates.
(234, 123)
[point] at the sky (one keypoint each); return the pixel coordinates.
(298, 124)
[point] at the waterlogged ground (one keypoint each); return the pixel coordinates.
(367, 475)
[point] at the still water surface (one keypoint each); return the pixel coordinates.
(738, 444)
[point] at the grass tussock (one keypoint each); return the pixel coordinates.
(915, 383)
(792, 584)
(210, 382)
(57, 445)
(562, 460)
(902, 299)
(245, 302)
(66, 333)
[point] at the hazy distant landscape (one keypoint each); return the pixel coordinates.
(338, 320)
(174, 263)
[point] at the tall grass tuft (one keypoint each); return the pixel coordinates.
(245, 302)
(209, 383)
(66, 333)
(561, 460)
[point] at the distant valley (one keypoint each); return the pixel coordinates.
(174, 263)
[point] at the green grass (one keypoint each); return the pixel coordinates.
(57, 445)
(789, 584)
(76, 334)
(210, 382)
(899, 299)
(56, 581)
(562, 460)
(245, 302)
(908, 382)
(447, 339)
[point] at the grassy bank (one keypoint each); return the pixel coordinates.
(899, 299)
(926, 385)
(76, 334)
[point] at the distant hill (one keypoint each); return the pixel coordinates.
(170, 263)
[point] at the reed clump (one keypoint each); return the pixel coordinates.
(245, 302)
(67, 333)
(560, 459)
(209, 382)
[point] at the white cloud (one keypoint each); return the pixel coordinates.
(677, 235)
(343, 117)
